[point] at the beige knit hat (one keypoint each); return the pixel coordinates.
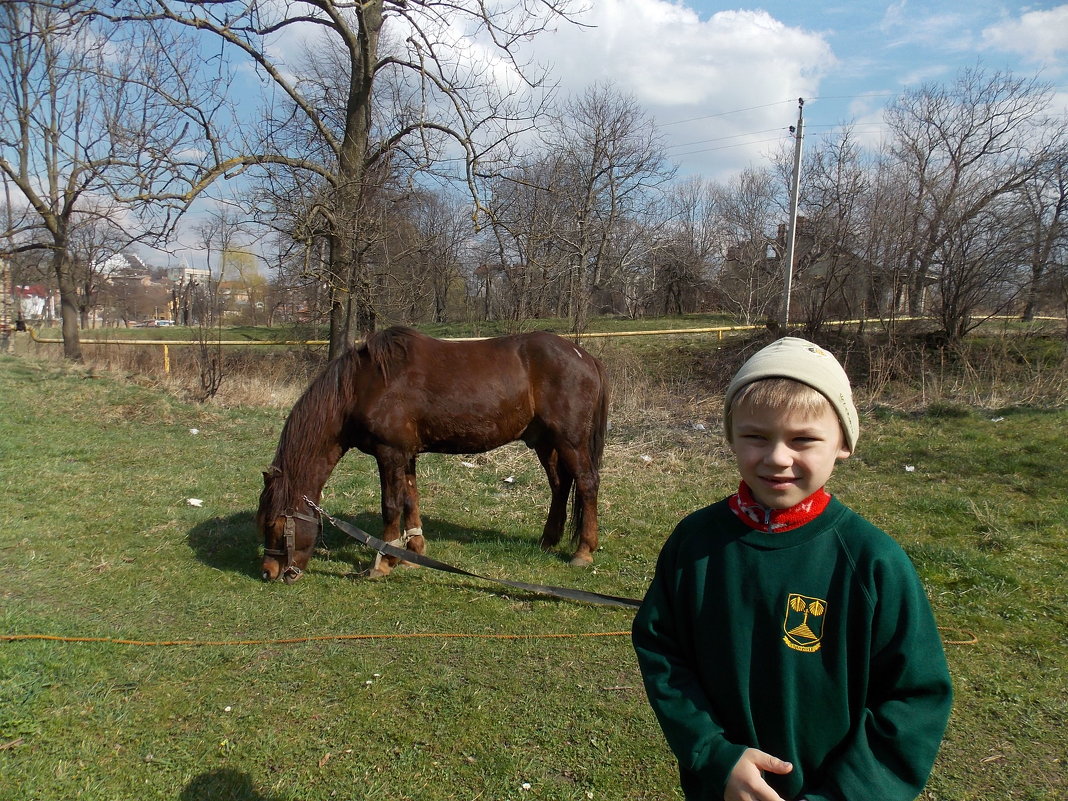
(803, 361)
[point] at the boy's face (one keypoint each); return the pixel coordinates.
(785, 456)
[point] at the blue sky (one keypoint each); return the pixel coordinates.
(723, 80)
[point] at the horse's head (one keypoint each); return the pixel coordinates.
(289, 534)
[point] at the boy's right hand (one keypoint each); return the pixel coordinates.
(746, 782)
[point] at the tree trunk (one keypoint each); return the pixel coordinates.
(68, 303)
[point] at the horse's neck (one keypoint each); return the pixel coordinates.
(307, 456)
(308, 476)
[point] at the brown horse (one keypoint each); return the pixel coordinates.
(403, 393)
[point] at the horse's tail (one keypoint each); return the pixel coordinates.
(600, 420)
(595, 446)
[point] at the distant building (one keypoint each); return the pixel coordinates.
(184, 275)
(123, 265)
(34, 302)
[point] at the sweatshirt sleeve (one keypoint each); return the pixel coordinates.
(890, 753)
(660, 635)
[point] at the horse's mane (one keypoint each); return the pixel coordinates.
(313, 424)
(274, 499)
(387, 348)
(316, 419)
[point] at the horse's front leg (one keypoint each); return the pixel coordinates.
(393, 480)
(413, 524)
(400, 503)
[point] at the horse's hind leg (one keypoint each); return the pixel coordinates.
(560, 487)
(587, 483)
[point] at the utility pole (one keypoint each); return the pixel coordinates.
(791, 235)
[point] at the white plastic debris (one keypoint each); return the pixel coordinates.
(194, 431)
(194, 502)
(509, 480)
(468, 464)
(646, 458)
(996, 419)
(909, 468)
(526, 785)
(698, 426)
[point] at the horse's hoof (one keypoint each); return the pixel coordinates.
(377, 572)
(581, 560)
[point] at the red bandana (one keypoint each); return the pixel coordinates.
(756, 516)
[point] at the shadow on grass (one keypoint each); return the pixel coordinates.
(227, 543)
(223, 784)
(232, 543)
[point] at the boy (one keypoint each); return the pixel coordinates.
(786, 644)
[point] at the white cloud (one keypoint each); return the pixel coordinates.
(681, 66)
(909, 23)
(1037, 36)
(667, 56)
(678, 64)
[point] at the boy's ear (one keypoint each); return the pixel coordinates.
(843, 453)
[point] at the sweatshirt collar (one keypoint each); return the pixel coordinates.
(773, 521)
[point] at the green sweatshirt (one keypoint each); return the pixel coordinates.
(815, 645)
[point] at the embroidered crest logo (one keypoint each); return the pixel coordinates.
(804, 622)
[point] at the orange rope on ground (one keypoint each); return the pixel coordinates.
(315, 638)
(972, 639)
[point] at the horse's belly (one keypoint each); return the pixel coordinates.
(472, 441)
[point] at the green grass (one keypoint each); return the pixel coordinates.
(97, 540)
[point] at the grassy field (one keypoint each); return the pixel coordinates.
(465, 691)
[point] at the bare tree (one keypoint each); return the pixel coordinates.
(91, 244)
(1044, 208)
(430, 245)
(832, 278)
(95, 121)
(680, 266)
(527, 214)
(611, 168)
(442, 95)
(749, 281)
(223, 232)
(958, 150)
(979, 276)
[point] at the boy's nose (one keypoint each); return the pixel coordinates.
(779, 454)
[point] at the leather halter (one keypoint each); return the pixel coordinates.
(290, 572)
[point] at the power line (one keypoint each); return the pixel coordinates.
(725, 138)
(854, 97)
(726, 113)
(726, 147)
(831, 126)
(777, 103)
